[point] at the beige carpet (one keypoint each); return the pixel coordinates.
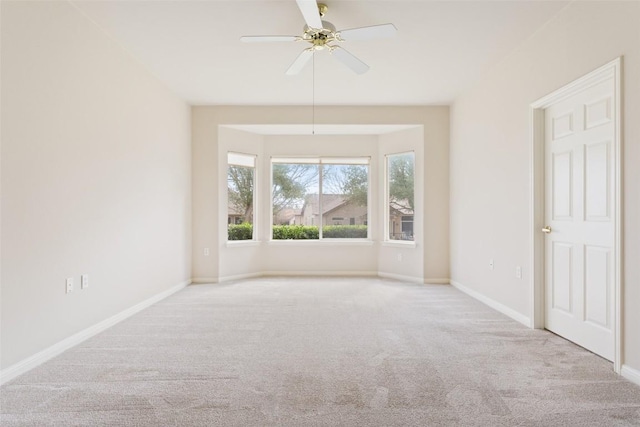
(321, 352)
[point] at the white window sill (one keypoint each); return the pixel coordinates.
(321, 242)
(399, 244)
(242, 243)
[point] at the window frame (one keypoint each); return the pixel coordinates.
(255, 214)
(321, 161)
(387, 241)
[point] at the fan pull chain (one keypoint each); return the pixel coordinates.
(313, 94)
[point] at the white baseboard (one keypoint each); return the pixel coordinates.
(323, 273)
(203, 280)
(518, 317)
(631, 374)
(238, 277)
(400, 277)
(319, 273)
(437, 281)
(31, 362)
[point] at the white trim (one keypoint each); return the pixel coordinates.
(320, 242)
(631, 374)
(204, 280)
(518, 317)
(399, 244)
(536, 218)
(618, 321)
(238, 277)
(31, 362)
(401, 277)
(437, 281)
(386, 196)
(588, 80)
(536, 199)
(242, 243)
(322, 273)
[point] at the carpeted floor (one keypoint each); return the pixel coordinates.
(321, 352)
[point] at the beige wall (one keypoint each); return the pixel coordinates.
(490, 153)
(95, 178)
(434, 122)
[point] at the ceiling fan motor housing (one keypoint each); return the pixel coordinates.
(319, 37)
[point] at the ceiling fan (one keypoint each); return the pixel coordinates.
(323, 35)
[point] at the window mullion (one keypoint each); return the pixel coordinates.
(320, 211)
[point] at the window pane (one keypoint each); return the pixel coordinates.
(240, 199)
(295, 197)
(400, 191)
(344, 201)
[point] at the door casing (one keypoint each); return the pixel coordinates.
(537, 197)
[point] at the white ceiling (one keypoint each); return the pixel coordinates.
(441, 48)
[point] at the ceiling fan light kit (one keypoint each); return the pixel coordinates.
(322, 35)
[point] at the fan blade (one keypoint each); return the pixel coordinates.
(262, 39)
(300, 62)
(309, 9)
(349, 60)
(368, 33)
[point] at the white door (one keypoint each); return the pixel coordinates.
(580, 217)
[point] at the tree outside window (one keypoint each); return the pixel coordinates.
(320, 198)
(240, 196)
(400, 196)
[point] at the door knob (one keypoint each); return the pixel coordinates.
(546, 229)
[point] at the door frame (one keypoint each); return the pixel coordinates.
(537, 197)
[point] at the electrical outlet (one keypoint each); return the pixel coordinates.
(69, 284)
(491, 264)
(399, 257)
(84, 281)
(206, 251)
(518, 272)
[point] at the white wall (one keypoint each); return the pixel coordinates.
(207, 187)
(490, 153)
(95, 178)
